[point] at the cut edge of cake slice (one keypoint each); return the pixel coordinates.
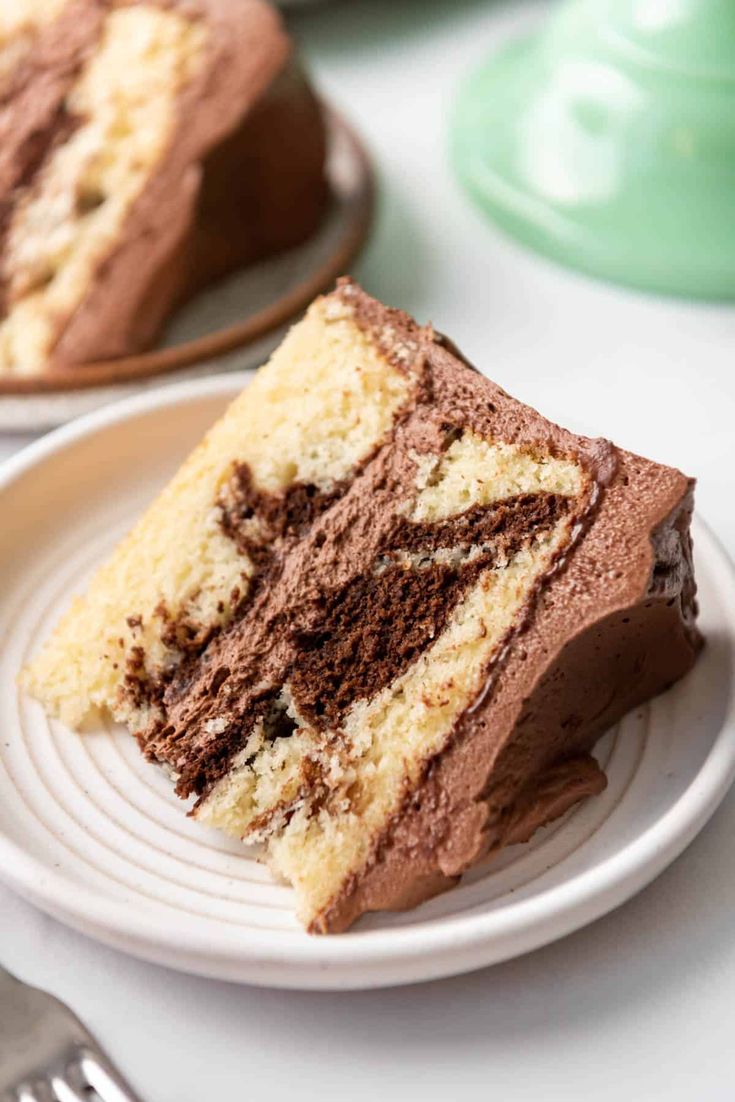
(149, 148)
(381, 615)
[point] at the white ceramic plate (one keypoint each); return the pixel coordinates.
(93, 834)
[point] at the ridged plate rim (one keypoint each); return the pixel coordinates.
(375, 956)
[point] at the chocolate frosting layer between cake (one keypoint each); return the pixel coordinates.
(246, 48)
(610, 624)
(393, 609)
(613, 626)
(248, 137)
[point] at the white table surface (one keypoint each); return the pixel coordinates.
(639, 1005)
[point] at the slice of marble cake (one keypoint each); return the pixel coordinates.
(380, 616)
(147, 148)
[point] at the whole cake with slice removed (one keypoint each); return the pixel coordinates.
(147, 147)
(380, 616)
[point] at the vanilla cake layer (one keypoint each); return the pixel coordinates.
(320, 407)
(112, 113)
(381, 614)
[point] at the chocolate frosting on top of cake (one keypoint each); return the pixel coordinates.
(606, 610)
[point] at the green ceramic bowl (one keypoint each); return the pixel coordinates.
(608, 142)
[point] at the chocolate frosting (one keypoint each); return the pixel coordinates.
(608, 632)
(380, 623)
(246, 49)
(223, 192)
(33, 116)
(611, 625)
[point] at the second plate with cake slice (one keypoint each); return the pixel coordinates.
(169, 178)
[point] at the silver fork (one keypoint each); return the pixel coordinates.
(47, 1055)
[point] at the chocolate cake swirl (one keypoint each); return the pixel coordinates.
(380, 617)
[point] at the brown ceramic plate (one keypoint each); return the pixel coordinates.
(230, 326)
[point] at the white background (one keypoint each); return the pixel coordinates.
(639, 1005)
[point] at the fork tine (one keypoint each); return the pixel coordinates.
(64, 1092)
(38, 1091)
(104, 1078)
